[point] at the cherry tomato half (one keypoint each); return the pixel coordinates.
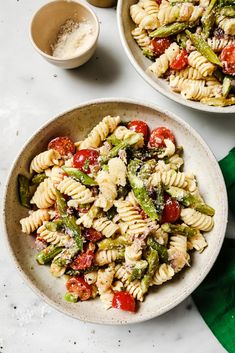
(63, 145)
(158, 136)
(123, 300)
(228, 59)
(84, 159)
(140, 127)
(159, 45)
(83, 261)
(78, 286)
(171, 211)
(93, 235)
(181, 61)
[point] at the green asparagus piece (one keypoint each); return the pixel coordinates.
(159, 199)
(113, 140)
(182, 39)
(71, 297)
(228, 11)
(140, 191)
(146, 153)
(138, 271)
(227, 84)
(219, 75)
(204, 48)
(153, 262)
(38, 178)
(24, 191)
(71, 272)
(190, 200)
(132, 140)
(179, 229)
(66, 256)
(161, 249)
(48, 254)
(54, 225)
(147, 169)
(219, 102)
(208, 19)
(148, 53)
(225, 3)
(79, 175)
(108, 243)
(69, 221)
(169, 30)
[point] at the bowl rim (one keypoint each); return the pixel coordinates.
(206, 269)
(85, 50)
(153, 83)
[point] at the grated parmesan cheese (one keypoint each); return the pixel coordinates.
(73, 39)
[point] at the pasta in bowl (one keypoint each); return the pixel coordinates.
(114, 211)
(181, 51)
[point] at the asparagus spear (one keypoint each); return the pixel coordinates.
(148, 53)
(227, 84)
(132, 140)
(219, 102)
(161, 249)
(179, 229)
(208, 19)
(204, 48)
(190, 200)
(140, 191)
(72, 272)
(113, 140)
(227, 11)
(54, 225)
(169, 30)
(24, 191)
(138, 271)
(38, 178)
(69, 221)
(153, 262)
(71, 297)
(106, 244)
(48, 254)
(65, 256)
(181, 39)
(79, 175)
(147, 169)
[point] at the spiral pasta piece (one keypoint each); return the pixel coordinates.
(184, 12)
(141, 37)
(164, 273)
(122, 274)
(45, 195)
(122, 133)
(162, 63)
(55, 238)
(108, 191)
(105, 226)
(199, 62)
(177, 83)
(44, 160)
(197, 242)
(100, 132)
(169, 149)
(105, 257)
(133, 253)
(78, 192)
(169, 178)
(56, 174)
(31, 223)
(197, 219)
(176, 162)
(106, 298)
(218, 44)
(134, 288)
(150, 6)
(130, 215)
(137, 13)
(194, 92)
(105, 278)
(189, 73)
(177, 252)
(91, 277)
(88, 218)
(227, 24)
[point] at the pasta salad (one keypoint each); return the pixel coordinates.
(115, 213)
(192, 44)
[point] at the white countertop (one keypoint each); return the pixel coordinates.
(32, 91)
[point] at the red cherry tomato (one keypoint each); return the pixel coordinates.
(63, 145)
(171, 211)
(83, 261)
(84, 159)
(124, 300)
(159, 45)
(140, 127)
(181, 61)
(158, 136)
(93, 235)
(78, 286)
(228, 59)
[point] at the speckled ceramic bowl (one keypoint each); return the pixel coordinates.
(141, 63)
(77, 123)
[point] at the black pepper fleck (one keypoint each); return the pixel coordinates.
(14, 307)
(74, 342)
(55, 75)
(129, 331)
(189, 307)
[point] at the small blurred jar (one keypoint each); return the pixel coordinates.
(103, 3)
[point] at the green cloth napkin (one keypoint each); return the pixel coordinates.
(215, 297)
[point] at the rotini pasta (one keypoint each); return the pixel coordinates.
(53, 237)
(162, 63)
(164, 273)
(78, 192)
(44, 160)
(34, 220)
(197, 220)
(45, 195)
(105, 226)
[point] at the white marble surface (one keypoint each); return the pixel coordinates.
(32, 91)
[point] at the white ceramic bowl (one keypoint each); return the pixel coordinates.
(141, 63)
(46, 24)
(77, 123)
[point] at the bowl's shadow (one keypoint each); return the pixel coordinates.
(102, 69)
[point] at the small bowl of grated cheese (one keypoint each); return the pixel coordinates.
(65, 33)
